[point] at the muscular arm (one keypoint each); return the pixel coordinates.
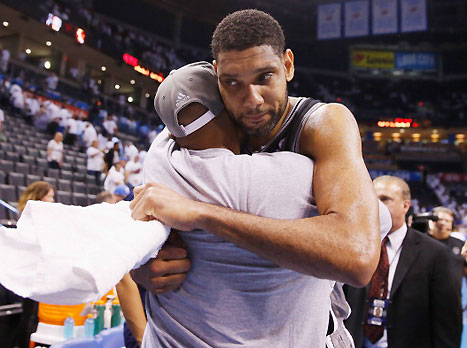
(132, 307)
(341, 244)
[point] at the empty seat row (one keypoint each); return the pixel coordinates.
(11, 195)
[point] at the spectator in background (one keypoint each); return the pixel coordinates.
(89, 134)
(121, 192)
(105, 197)
(412, 299)
(112, 156)
(115, 177)
(37, 191)
(110, 126)
(55, 151)
(95, 161)
(130, 150)
(51, 81)
(71, 131)
(2, 125)
(134, 172)
(442, 232)
(4, 59)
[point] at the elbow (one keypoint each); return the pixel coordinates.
(362, 276)
(364, 266)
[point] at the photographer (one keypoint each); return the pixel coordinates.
(441, 231)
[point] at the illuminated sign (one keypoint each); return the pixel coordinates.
(398, 123)
(80, 35)
(130, 60)
(373, 59)
(54, 22)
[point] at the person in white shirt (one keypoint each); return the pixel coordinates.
(89, 134)
(51, 81)
(95, 162)
(413, 299)
(134, 172)
(110, 125)
(2, 121)
(130, 150)
(55, 151)
(115, 177)
(71, 130)
(4, 59)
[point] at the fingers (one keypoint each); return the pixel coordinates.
(137, 190)
(170, 283)
(170, 252)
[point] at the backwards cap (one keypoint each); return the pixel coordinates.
(192, 83)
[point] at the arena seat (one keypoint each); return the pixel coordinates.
(16, 179)
(64, 185)
(30, 178)
(51, 181)
(53, 173)
(79, 199)
(22, 168)
(6, 166)
(8, 193)
(79, 187)
(63, 197)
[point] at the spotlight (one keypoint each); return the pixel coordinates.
(130, 99)
(48, 43)
(117, 86)
(28, 51)
(132, 82)
(47, 64)
(103, 68)
(5, 24)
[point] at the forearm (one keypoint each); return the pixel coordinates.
(327, 246)
(132, 307)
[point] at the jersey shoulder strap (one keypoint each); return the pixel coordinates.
(284, 141)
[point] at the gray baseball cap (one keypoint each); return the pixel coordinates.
(192, 83)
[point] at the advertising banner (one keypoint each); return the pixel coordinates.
(453, 177)
(413, 15)
(384, 16)
(416, 61)
(372, 59)
(356, 18)
(329, 21)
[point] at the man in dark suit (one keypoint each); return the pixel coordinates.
(412, 300)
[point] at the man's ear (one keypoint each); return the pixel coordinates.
(214, 63)
(288, 61)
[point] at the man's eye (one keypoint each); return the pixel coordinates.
(265, 77)
(231, 82)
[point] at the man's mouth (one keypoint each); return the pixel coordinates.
(255, 118)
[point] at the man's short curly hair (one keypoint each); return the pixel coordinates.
(246, 29)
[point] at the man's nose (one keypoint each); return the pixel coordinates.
(253, 97)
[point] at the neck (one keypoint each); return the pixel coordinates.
(396, 226)
(440, 236)
(220, 133)
(255, 142)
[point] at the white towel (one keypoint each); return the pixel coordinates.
(62, 254)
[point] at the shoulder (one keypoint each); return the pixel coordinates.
(427, 242)
(331, 130)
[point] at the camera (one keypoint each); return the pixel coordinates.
(423, 222)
